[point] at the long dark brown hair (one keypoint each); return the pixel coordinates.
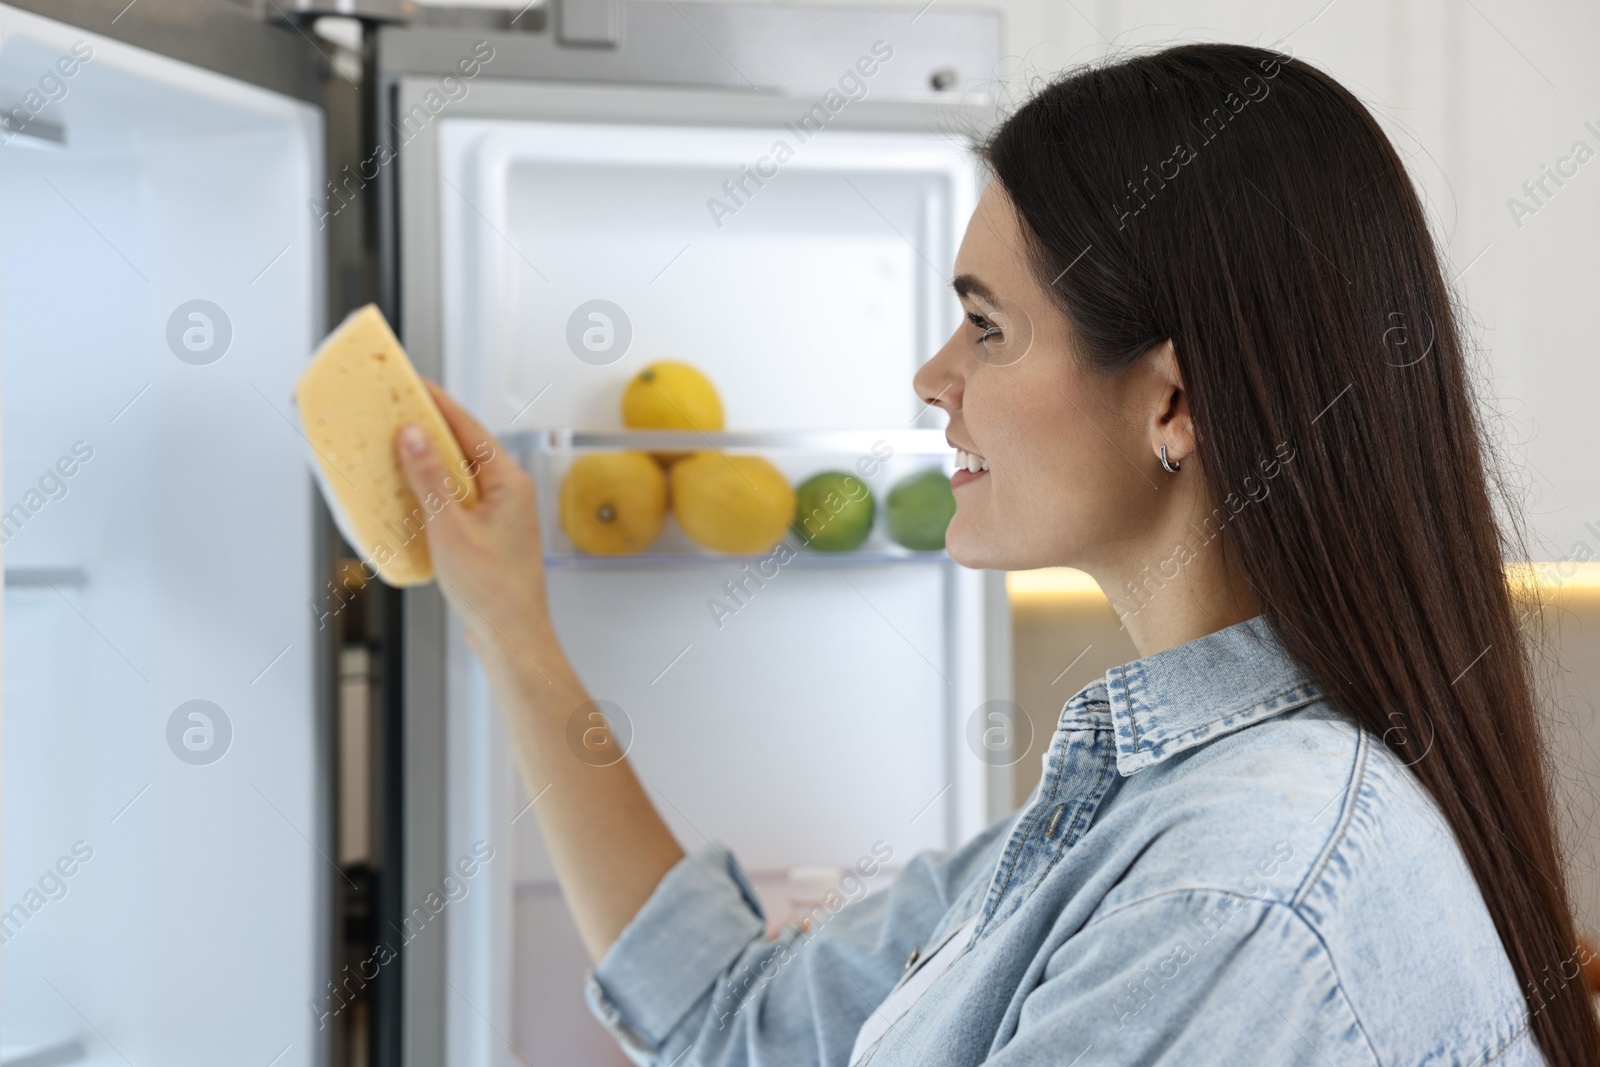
(1247, 207)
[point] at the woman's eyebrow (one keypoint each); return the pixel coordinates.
(969, 285)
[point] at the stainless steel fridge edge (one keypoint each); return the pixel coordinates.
(695, 43)
(325, 671)
(221, 37)
(667, 76)
(1001, 783)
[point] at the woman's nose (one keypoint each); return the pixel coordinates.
(939, 381)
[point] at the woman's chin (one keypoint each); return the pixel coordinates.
(970, 548)
(973, 547)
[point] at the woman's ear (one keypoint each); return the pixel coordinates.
(1171, 422)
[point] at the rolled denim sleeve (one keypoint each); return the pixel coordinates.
(1189, 977)
(693, 980)
(695, 925)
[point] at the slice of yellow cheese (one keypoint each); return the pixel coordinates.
(358, 390)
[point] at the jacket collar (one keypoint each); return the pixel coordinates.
(1196, 692)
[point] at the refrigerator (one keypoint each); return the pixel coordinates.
(242, 788)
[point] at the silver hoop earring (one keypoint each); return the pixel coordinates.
(1170, 466)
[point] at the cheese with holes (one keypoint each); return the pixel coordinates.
(358, 390)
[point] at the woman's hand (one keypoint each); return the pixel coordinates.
(487, 555)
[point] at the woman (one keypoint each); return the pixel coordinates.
(1209, 358)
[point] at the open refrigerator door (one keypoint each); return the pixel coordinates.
(802, 708)
(160, 283)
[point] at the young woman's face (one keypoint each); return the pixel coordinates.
(1067, 448)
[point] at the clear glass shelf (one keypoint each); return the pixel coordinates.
(880, 458)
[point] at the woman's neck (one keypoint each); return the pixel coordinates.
(1187, 594)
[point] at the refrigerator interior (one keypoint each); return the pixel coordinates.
(826, 714)
(175, 563)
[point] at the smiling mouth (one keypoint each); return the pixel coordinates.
(970, 461)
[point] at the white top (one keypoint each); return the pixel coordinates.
(922, 972)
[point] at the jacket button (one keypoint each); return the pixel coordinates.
(1055, 821)
(911, 959)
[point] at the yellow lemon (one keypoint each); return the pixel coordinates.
(668, 395)
(613, 503)
(738, 504)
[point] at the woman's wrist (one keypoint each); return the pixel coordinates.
(527, 653)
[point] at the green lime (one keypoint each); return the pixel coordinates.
(832, 511)
(920, 507)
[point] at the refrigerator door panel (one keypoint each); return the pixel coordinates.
(809, 726)
(670, 225)
(160, 284)
(831, 712)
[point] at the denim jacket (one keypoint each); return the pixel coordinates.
(1215, 867)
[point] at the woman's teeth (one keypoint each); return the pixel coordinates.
(971, 461)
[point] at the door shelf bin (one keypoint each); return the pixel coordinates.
(880, 458)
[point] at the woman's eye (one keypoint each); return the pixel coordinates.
(988, 328)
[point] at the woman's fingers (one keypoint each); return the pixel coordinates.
(477, 444)
(424, 468)
(487, 555)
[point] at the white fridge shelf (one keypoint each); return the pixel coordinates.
(880, 458)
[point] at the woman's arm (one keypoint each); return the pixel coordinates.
(607, 841)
